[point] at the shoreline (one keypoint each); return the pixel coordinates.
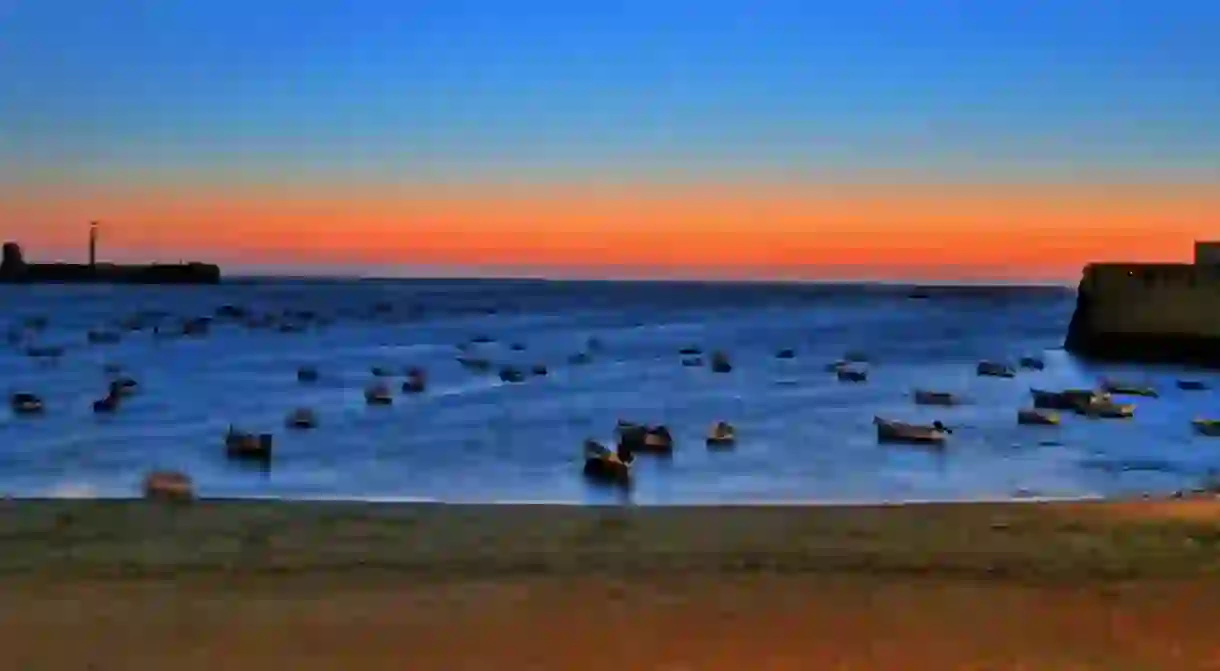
(561, 503)
(1022, 541)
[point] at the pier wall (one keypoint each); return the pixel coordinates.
(1143, 312)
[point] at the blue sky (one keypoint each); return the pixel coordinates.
(377, 90)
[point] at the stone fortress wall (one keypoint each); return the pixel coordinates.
(1156, 298)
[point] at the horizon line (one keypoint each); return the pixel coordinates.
(893, 283)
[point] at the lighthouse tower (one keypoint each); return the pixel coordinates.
(92, 244)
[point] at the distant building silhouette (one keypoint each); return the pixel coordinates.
(1207, 253)
(13, 260)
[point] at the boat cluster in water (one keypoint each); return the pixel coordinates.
(1044, 410)
(601, 463)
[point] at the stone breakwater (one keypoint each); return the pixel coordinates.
(1147, 313)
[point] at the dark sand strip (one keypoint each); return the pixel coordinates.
(129, 585)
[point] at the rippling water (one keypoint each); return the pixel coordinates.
(803, 435)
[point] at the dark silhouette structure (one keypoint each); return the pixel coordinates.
(15, 270)
(93, 244)
(14, 261)
(1152, 313)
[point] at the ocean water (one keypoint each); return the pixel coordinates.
(803, 435)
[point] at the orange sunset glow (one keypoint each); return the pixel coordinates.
(898, 141)
(1002, 232)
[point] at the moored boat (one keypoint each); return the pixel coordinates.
(1037, 417)
(722, 434)
(603, 465)
(891, 431)
(1207, 427)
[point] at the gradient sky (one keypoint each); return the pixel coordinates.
(874, 138)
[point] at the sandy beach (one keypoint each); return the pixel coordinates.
(235, 585)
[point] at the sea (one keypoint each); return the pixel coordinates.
(803, 436)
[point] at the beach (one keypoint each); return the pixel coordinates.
(138, 585)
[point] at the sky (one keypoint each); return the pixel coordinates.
(873, 139)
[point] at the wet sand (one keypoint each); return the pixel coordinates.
(131, 585)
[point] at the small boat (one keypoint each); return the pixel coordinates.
(378, 394)
(603, 465)
(720, 363)
(722, 434)
(852, 375)
(249, 446)
(658, 440)
(307, 374)
(1207, 427)
(692, 361)
(1126, 389)
(1068, 399)
(994, 369)
(123, 386)
(474, 363)
(168, 486)
(645, 439)
(1107, 408)
(1031, 363)
(539, 370)
(889, 431)
(690, 351)
(24, 403)
(512, 375)
(786, 353)
(1037, 417)
(416, 382)
(107, 405)
(942, 398)
(199, 326)
(623, 426)
(103, 337)
(302, 418)
(1192, 385)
